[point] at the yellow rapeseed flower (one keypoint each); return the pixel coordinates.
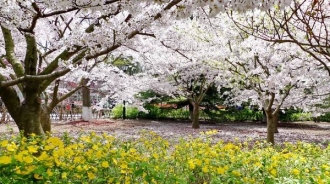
(105, 164)
(273, 172)
(64, 175)
(37, 176)
(326, 167)
(28, 159)
(5, 160)
(77, 159)
(236, 173)
(205, 169)
(11, 147)
(191, 164)
(4, 143)
(91, 175)
(221, 170)
(43, 156)
(32, 149)
(211, 132)
(198, 162)
(79, 168)
(77, 176)
(49, 173)
(295, 171)
(27, 170)
(55, 141)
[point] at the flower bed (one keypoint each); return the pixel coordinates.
(93, 158)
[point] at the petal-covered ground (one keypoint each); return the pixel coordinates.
(232, 131)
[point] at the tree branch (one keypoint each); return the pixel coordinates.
(10, 52)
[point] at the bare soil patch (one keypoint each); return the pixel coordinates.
(232, 131)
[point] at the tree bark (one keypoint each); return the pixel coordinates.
(276, 122)
(272, 120)
(191, 110)
(30, 121)
(264, 116)
(195, 119)
(45, 119)
(86, 109)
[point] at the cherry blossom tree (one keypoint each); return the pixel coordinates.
(42, 41)
(182, 63)
(271, 76)
(304, 23)
(275, 78)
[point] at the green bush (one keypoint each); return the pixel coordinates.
(214, 115)
(131, 112)
(324, 118)
(294, 115)
(117, 111)
(234, 115)
(159, 113)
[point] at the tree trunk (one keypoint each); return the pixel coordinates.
(29, 120)
(45, 119)
(276, 122)
(191, 110)
(195, 119)
(264, 116)
(86, 109)
(271, 128)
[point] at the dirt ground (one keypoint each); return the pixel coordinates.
(288, 132)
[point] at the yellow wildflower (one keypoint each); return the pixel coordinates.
(32, 149)
(28, 159)
(91, 175)
(273, 172)
(5, 160)
(37, 176)
(49, 173)
(191, 164)
(4, 143)
(64, 175)
(105, 164)
(236, 173)
(205, 169)
(43, 156)
(198, 162)
(11, 147)
(295, 171)
(221, 170)
(77, 159)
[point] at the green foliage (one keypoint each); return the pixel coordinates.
(117, 111)
(214, 115)
(94, 158)
(234, 115)
(159, 113)
(323, 118)
(296, 116)
(131, 112)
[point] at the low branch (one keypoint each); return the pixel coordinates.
(33, 78)
(62, 98)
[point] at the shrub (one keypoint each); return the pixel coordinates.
(324, 118)
(117, 112)
(131, 112)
